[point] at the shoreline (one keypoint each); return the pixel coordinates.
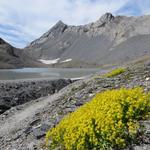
(40, 79)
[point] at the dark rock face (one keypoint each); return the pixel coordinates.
(2, 41)
(16, 93)
(105, 19)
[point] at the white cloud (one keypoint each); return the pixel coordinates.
(31, 18)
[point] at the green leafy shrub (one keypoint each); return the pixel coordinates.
(109, 121)
(115, 72)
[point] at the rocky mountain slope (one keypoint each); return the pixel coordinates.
(23, 127)
(11, 57)
(109, 40)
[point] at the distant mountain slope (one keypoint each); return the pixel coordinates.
(108, 40)
(11, 57)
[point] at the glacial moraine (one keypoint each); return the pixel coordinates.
(17, 92)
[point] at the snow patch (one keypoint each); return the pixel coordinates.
(48, 62)
(67, 60)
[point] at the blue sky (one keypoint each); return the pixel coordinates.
(22, 21)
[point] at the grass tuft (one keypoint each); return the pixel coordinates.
(115, 72)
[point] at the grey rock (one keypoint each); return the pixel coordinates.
(142, 147)
(40, 130)
(79, 103)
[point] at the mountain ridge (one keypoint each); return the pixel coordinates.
(93, 42)
(60, 27)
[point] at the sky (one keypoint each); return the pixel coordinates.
(22, 21)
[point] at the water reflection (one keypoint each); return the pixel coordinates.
(52, 73)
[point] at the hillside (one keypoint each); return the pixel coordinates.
(24, 127)
(109, 40)
(11, 57)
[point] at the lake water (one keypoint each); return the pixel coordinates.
(51, 73)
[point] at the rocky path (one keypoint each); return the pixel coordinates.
(13, 122)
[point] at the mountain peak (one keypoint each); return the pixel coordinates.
(104, 19)
(60, 23)
(59, 26)
(107, 17)
(56, 30)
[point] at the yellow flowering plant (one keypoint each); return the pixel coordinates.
(109, 121)
(115, 72)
